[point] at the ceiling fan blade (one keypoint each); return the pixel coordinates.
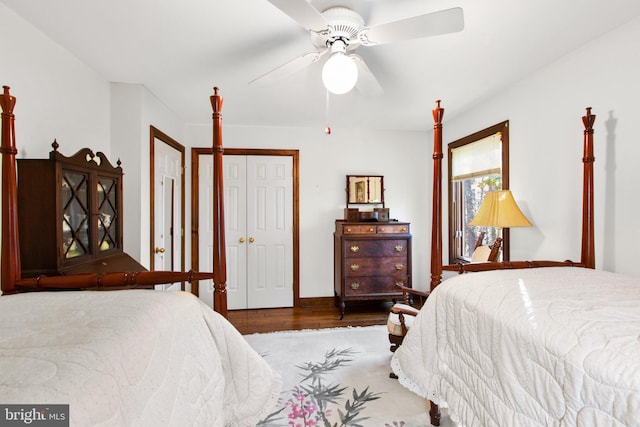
(290, 67)
(367, 82)
(303, 13)
(431, 24)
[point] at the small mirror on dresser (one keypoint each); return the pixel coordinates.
(365, 190)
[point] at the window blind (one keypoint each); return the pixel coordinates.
(480, 158)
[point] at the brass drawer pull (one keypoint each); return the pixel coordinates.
(403, 229)
(399, 248)
(348, 230)
(354, 267)
(371, 230)
(380, 230)
(355, 248)
(399, 266)
(399, 283)
(355, 285)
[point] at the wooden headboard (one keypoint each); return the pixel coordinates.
(587, 256)
(12, 281)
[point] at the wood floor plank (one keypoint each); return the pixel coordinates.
(284, 319)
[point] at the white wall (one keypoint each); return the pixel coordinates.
(325, 160)
(133, 110)
(60, 97)
(127, 135)
(545, 140)
(57, 95)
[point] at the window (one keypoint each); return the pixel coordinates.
(478, 163)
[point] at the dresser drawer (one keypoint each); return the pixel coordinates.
(387, 228)
(392, 229)
(376, 248)
(359, 229)
(359, 267)
(374, 285)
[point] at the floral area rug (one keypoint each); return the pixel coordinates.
(337, 378)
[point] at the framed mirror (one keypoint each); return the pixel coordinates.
(365, 190)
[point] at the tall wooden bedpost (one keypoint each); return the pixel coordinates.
(10, 244)
(219, 247)
(436, 215)
(587, 255)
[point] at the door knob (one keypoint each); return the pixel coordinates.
(251, 240)
(242, 240)
(159, 250)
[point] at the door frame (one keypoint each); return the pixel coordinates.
(157, 135)
(195, 205)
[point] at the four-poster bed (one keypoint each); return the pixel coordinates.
(11, 276)
(513, 344)
(127, 356)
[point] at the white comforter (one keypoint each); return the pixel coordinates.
(534, 347)
(131, 358)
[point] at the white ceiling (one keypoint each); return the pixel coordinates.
(180, 49)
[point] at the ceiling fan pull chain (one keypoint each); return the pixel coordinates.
(327, 130)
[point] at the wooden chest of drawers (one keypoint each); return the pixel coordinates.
(369, 259)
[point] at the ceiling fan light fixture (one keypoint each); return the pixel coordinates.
(339, 73)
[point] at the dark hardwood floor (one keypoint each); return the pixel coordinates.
(284, 319)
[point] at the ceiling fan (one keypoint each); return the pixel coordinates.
(339, 30)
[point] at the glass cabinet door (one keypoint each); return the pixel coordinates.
(107, 214)
(75, 222)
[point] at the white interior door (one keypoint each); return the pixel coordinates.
(167, 212)
(205, 225)
(235, 217)
(258, 229)
(269, 231)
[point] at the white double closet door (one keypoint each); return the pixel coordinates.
(258, 205)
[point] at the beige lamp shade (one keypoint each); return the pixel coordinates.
(499, 209)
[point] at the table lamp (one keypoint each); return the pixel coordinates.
(500, 210)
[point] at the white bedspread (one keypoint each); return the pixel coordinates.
(131, 358)
(534, 347)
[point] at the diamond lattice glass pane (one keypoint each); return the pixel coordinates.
(75, 223)
(107, 214)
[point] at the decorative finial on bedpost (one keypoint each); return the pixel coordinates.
(8, 102)
(438, 113)
(588, 120)
(55, 144)
(216, 102)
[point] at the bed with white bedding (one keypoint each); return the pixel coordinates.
(131, 358)
(534, 347)
(526, 343)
